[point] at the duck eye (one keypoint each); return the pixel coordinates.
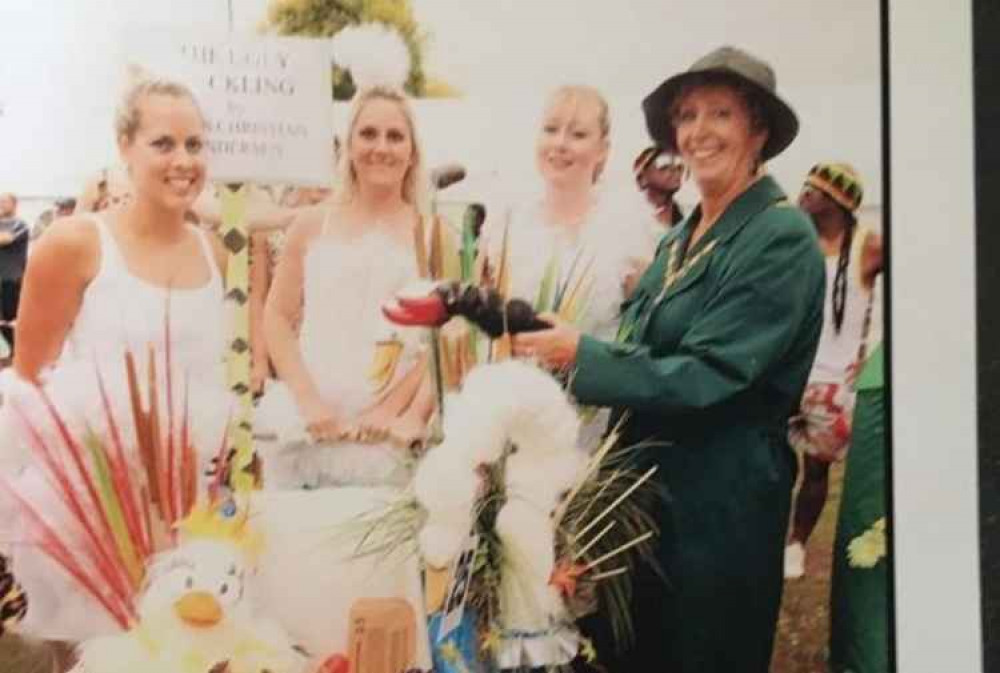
(189, 583)
(224, 589)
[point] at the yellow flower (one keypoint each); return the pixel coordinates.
(491, 641)
(450, 654)
(868, 548)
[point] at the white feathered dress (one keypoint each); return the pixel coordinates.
(119, 311)
(600, 253)
(345, 285)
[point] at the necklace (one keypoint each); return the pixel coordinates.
(677, 268)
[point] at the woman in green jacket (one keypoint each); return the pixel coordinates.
(716, 344)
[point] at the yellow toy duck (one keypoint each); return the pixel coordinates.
(194, 616)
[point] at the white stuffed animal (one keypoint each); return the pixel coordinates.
(194, 618)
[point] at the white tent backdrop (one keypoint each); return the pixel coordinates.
(58, 95)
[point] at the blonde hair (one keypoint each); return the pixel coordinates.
(415, 186)
(127, 117)
(576, 93)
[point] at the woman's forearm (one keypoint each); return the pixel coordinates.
(283, 348)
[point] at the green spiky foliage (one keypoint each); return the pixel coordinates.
(608, 517)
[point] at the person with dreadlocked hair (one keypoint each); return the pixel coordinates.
(821, 431)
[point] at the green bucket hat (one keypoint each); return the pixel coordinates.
(725, 63)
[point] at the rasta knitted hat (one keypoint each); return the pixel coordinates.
(840, 182)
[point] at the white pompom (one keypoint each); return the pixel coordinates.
(528, 600)
(445, 481)
(472, 426)
(542, 481)
(500, 403)
(441, 542)
(374, 53)
(518, 402)
(529, 533)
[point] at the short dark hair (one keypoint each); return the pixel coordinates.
(755, 106)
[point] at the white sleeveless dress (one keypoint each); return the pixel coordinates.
(119, 311)
(307, 577)
(345, 284)
(613, 234)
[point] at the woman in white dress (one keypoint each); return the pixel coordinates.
(587, 234)
(328, 421)
(129, 278)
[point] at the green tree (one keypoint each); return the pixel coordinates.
(325, 18)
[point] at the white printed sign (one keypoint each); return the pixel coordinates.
(267, 101)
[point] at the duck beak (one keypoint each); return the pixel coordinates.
(428, 312)
(421, 305)
(198, 609)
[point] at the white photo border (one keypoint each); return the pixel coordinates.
(933, 362)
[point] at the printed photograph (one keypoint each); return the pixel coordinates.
(423, 335)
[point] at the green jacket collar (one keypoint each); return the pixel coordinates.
(757, 197)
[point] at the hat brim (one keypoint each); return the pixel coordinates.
(782, 122)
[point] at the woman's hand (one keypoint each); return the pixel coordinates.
(633, 272)
(371, 426)
(374, 427)
(553, 348)
(321, 423)
(409, 432)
